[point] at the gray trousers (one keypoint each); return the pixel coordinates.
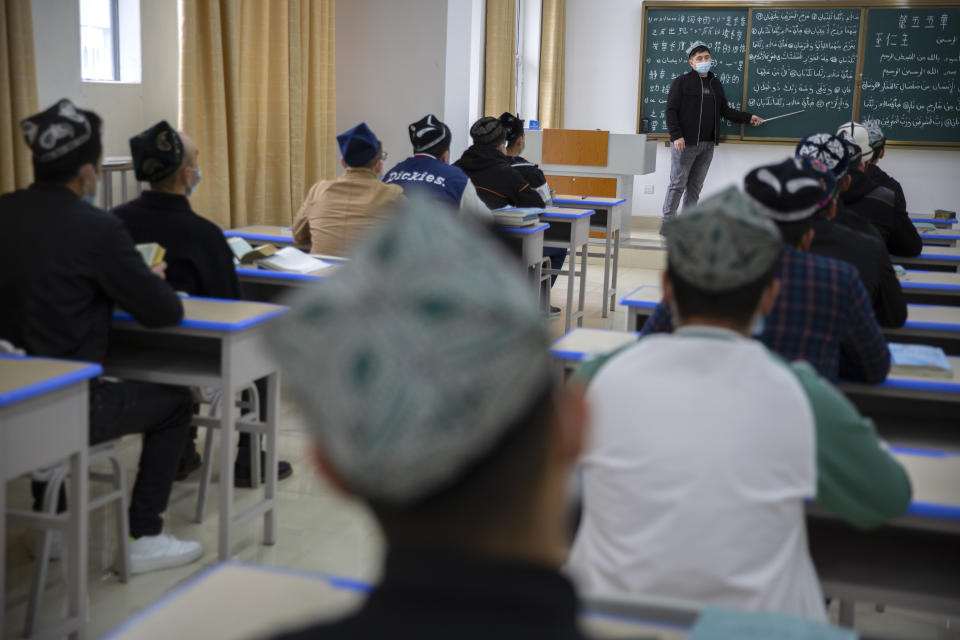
(688, 170)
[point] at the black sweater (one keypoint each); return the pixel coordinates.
(498, 184)
(64, 264)
(878, 205)
(683, 107)
(199, 261)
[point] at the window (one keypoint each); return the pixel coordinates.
(99, 40)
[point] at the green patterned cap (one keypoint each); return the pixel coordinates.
(411, 361)
(722, 243)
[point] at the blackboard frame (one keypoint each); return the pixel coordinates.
(864, 5)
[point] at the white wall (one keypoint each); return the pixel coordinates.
(390, 67)
(602, 72)
(126, 109)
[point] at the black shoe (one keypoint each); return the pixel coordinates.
(241, 472)
(188, 464)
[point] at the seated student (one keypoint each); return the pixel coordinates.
(428, 169)
(199, 260)
(705, 500)
(864, 252)
(823, 314)
(64, 266)
(878, 144)
(875, 202)
(451, 426)
(516, 141)
(338, 213)
(498, 183)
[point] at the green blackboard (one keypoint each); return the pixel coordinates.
(910, 73)
(801, 59)
(836, 62)
(668, 34)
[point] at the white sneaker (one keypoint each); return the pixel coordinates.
(150, 553)
(32, 542)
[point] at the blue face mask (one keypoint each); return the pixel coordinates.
(91, 198)
(704, 67)
(194, 185)
(758, 326)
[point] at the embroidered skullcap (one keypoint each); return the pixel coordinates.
(358, 145)
(59, 130)
(698, 43)
(156, 152)
(513, 126)
(875, 135)
(722, 243)
(791, 190)
(486, 130)
(856, 133)
(410, 363)
(429, 133)
(828, 149)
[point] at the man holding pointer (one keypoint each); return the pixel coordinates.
(694, 106)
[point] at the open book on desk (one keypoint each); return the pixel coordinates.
(245, 254)
(292, 260)
(919, 360)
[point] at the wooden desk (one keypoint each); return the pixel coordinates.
(937, 222)
(640, 304)
(218, 344)
(939, 258)
(263, 233)
(527, 244)
(44, 418)
(914, 561)
(940, 237)
(570, 230)
(264, 285)
(234, 601)
(581, 343)
(607, 221)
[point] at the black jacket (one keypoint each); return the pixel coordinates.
(872, 261)
(532, 174)
(683, 107)
(199, 261)
(439, 595)
(884, 179)
(64, 264)
(853, 220)
(878, 205)
(498, 184)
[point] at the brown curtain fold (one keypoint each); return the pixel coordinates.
(257, 94)
(553, 25)
(18, 92)
(500, 62)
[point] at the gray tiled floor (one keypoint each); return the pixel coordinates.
(318, 529)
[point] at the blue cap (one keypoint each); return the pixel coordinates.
(358, 145)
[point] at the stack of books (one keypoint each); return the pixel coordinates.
(267, 256)
(517, 217)
(943, 214)
(919, 360)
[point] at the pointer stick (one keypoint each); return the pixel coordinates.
(766, 120)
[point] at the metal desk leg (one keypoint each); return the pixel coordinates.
(571, 271)
(583, 284)
(108, 190)
(616, 267)
(846, 614)
(227, 423)
(270, 491)
(76, 546)
(123, 187)
(606, 264)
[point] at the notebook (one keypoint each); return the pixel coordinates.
(726, 624)
(919, 360)
(292, 260)
(151, 252)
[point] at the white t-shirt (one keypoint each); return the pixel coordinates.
(701, 455)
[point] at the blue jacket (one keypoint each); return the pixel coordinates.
(434, 176)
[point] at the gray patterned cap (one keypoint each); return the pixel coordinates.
(412, 360)
(722, 243)
(694, 45)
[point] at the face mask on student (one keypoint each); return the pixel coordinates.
(705, 66)
(91, 198)
(756, 330)
(195, 183)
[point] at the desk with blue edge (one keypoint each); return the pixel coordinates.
(933, 258)
(527, 244)
(606, 222)
(940, 223)
(931, 287)
(570, 230)
(44, 419)
(264, 234)
(218, 344)
(940, 238)
(264, 285)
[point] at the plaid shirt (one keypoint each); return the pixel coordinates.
(822, 315)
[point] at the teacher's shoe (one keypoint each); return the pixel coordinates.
(151, 553)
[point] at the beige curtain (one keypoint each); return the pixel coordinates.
(257, 94)
(553, 26)
(18, 92)
(500, 68)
